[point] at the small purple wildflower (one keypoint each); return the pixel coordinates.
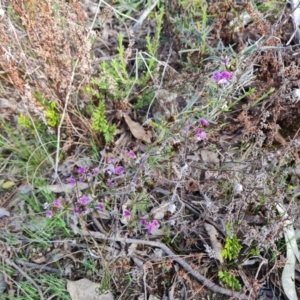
(126, 213)
(49, 214)
(100, 206)
(56, 203)
(131, 154)
(201, 135)
(95, 171)
(71, 180)
(82, 170)
(84, 200)
(143, 222)
(80, 211)
(226, 60)
(203, 122)
(154, 224)
(110, 169)
(216, 76)
(119, 170)
(110, 160)
(110, 183)
(81, 179)
(222, 77)
(135, 180)
(226, 75)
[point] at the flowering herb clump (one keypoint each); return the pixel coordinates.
(222, 78)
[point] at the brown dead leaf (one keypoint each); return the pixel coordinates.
(64, 188)
(210, 157)
(215, 244)
(137, 130)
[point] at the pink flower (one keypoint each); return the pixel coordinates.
(152, 225)
(221, 77)
(110, 169)
(226, 60)
(226, 75)
(100, 206)
(49, 214)
(82, 170)
(126, 213)
(110, 183)
(84, 200)
(95, 171)
(131, 154)
(119, 170)
(201, 135)
(216, 76)
(71, 180)
(143, 221)
(56, 203)
(203, 122)
(80, 211)
(110, 160)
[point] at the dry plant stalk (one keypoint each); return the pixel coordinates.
(41, 40)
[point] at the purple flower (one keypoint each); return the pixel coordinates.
(84, 200)
(226, 60)
(100, 206)
(110, 183)
(143, 222)
(221, 77)
(135, 180)
(126, 213)
(201, 135)
(203, 122)
(110, 169)
(80, 211)
(154, 224)
(56, 203)
(71, 180)
(216, 76)
(110, 160)
(226, 75)
(82, 170)
(95, 171)
(119, 170)
(81, 179)
(131, 154)
(49, 214)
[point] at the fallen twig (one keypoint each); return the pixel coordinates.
(38, 267)
(203, 280)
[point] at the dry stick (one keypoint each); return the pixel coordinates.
(38, 267)
(203, 280)
(11, 263)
